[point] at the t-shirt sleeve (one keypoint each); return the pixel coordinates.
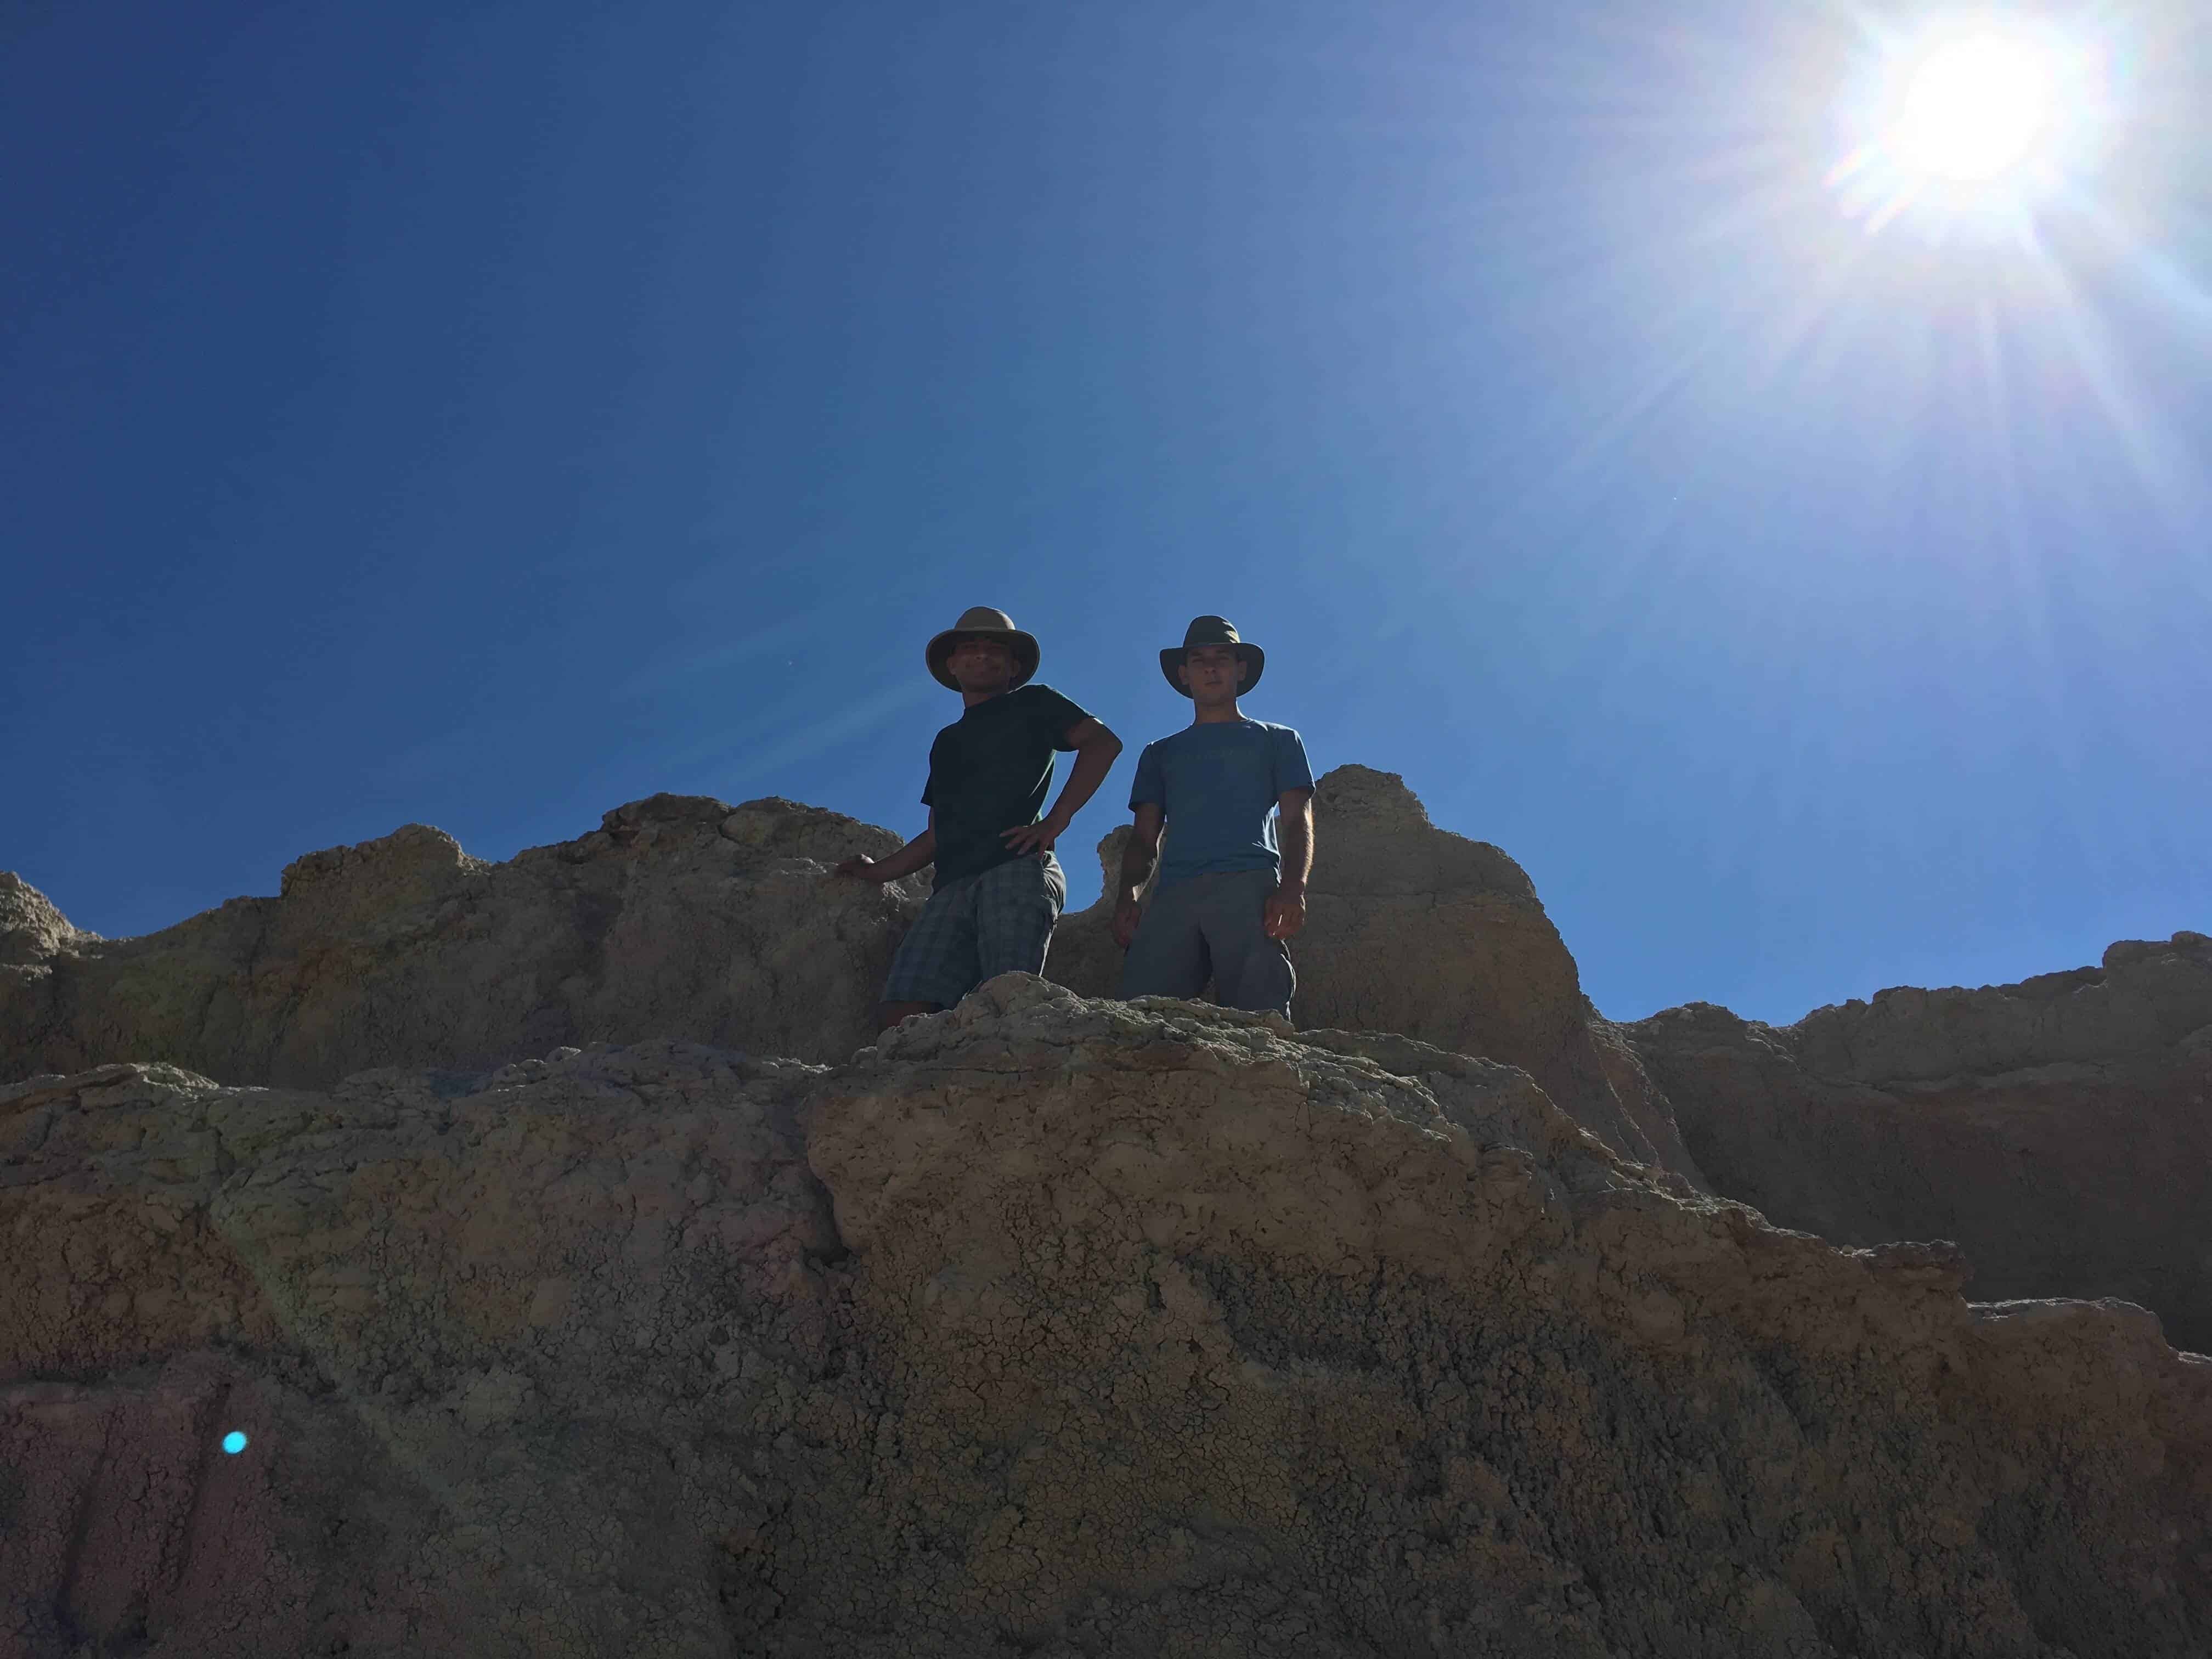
(1291, 771)
(1057, 715)
(1150, 784)
(929, 787)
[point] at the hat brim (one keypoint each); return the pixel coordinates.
(1023, 646)
(1247, 653)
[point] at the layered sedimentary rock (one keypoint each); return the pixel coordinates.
(2059, 1129)
(1047, 1326)
(683, 917)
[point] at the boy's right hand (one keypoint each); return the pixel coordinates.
(860, 864)
(1126, 914)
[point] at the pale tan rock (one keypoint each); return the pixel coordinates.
(31, 929)
(680, 916)
(1107, 1329)
(2060, 1129)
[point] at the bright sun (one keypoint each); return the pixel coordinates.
(1971, 121)
(1973, 107)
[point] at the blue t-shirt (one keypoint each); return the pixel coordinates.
(1217, 785)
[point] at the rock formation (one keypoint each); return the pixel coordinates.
(1046, 1327)
(680, 916)
(686, 917)
(2060, 1130)
(31, 930)
(1415, 930)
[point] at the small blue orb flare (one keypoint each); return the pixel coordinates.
(234, 1442)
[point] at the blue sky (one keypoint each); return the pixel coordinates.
(486, 415)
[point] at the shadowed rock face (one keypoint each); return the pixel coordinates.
(1047, 1326)
(2060, 1130)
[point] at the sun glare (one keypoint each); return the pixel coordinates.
(1972, 108)
(1969, 119)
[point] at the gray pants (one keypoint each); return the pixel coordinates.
(1212, 926)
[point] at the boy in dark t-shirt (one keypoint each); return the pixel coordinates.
(998, 889)
(1228, 894)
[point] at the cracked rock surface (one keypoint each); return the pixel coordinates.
(1046, 1327)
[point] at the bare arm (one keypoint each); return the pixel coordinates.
(1137, 860)
(915, 856)
(1287, 909)
(1095, 750)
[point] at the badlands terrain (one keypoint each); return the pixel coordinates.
(587, 1280)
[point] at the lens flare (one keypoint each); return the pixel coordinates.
(234, 1442)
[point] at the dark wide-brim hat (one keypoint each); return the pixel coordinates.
(980, 621)
(1213, 630)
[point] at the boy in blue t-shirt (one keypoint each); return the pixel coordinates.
(1228, 894)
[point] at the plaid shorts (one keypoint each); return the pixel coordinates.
(997, 921)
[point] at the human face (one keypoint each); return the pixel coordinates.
(983, 665)
(1213, 673)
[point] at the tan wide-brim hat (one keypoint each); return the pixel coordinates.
(1213, 630)
(980, 621)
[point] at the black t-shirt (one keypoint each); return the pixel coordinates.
(989, 772)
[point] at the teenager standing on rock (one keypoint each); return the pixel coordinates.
(998, 889)
(1228, 894)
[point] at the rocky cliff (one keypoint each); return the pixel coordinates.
(679, 914)
(2060, 1130)
(683, 916)
(1046, 1327)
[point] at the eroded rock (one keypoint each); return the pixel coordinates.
(1415, 930)
(2060, 1129)
(31, 929)
(507, 1350)
(1047, 1326)
(680, 916)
